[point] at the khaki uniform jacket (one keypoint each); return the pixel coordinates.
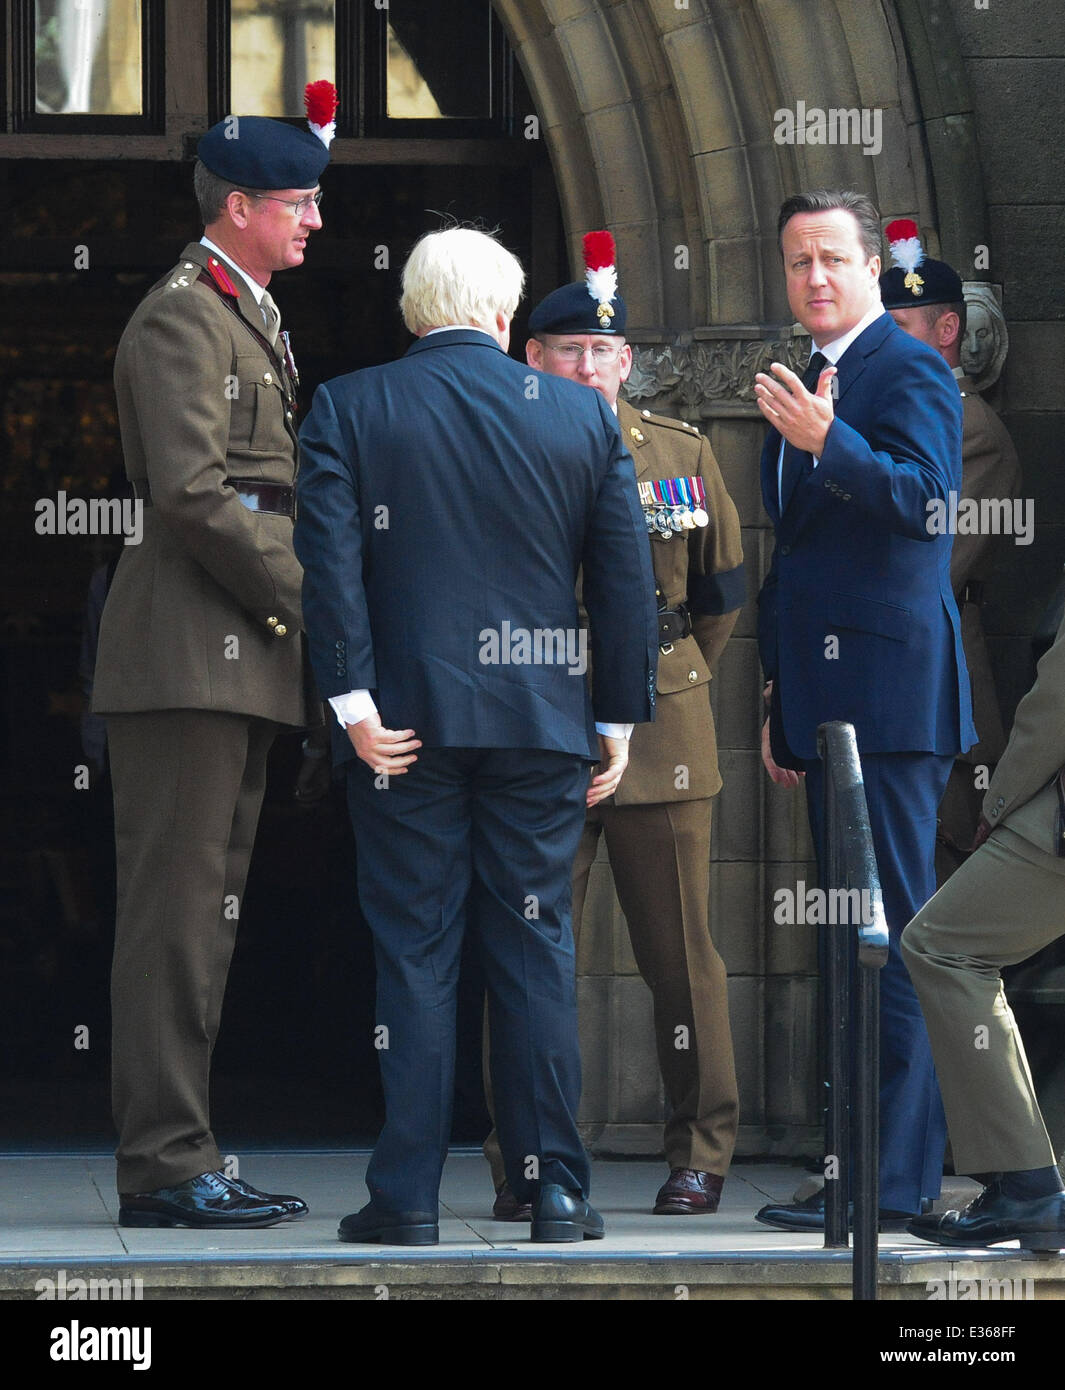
(675, 758)
(989, 468)
(187, 621)
(1021, 794)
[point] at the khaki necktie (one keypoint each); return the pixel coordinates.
(271, 316)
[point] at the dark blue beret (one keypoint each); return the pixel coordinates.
(573, 310)
(940, 284)
(256, 152)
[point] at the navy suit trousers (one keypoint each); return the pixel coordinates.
(483, 840)
(903, 792)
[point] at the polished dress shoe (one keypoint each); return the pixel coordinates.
(561, 1215)
(295, 1207)
(372, 1226)
(808, 1216)
(507, 1207)
(1037, 1222)
(688, 1192)
(209, 1201)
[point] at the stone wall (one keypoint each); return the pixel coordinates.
(659, 115)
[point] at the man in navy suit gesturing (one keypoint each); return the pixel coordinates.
(446, 503)
(857, 620)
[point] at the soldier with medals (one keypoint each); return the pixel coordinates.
(201, 656)
(926, 298)
(657, 825)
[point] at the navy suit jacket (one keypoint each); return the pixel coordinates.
(445, 504)
(855, 561)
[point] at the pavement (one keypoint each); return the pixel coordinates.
(60, 1223)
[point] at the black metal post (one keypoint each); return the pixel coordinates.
(857, 932)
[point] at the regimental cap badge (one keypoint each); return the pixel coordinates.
(901, 286)
(907, 253)
(601, 274)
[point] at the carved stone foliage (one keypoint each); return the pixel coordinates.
(708, 376)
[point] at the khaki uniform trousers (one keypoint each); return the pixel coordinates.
(1002, 905)
(188, 787)
(660, 858)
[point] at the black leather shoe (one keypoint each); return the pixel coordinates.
(371, 1226)
(688, 1192)
(506, 1206)
(1038, 1223)
(561, 1215)
(294, 1206)
(208, 1201)
(809, 1215)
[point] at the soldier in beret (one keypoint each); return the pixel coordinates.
(657, 825)
(200, 654)
(926, 298)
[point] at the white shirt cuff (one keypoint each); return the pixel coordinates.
(614, 730)
(353, 707)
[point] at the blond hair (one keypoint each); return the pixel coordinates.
(459, 276)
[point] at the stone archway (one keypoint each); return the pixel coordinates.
(660, 120)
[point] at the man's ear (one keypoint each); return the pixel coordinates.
(625, 361)
(238, 207)
(534, 353)
(948, 329)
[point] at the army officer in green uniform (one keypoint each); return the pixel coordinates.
(657, 825)
(200, 655)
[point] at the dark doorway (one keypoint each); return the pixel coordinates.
(295, 1062)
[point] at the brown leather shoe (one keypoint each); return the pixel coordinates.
(689, 1193)
(508, 1208)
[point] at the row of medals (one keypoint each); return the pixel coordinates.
(674, 504)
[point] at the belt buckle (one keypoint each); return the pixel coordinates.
(665, 648)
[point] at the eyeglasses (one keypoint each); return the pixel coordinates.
(603, 353)
(300, 206)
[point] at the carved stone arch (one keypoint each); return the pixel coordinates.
(659, 117)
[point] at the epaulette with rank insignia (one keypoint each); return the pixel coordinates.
(669, 422)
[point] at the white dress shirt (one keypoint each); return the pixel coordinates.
(833, 351)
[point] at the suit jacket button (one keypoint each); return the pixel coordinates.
(785, 550)
(272, 622)
(693, 676)
(267, 378)
(280, 630)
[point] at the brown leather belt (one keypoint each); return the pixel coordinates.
(274, 498)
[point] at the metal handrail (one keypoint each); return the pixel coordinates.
(852, 964)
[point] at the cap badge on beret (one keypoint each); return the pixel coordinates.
(601, 275)
(907, 253)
